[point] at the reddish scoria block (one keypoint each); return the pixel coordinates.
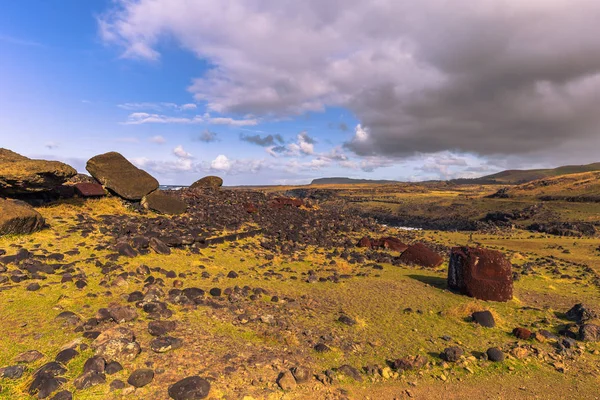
(89, 190)
(480, 273)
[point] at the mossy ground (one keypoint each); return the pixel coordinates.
(244, 359)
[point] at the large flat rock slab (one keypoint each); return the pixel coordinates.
(120, 176)
(17, 217)
(22, 175)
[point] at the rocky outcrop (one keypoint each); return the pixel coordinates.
(164, 203)
(120, 176)
(480, 273)
(213, 182)
(17, 217)
(21, 175)
(89, 190)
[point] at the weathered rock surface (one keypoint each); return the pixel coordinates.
(164, 203)
(116, 173)
(480, 273)
(89, 190)
(213, 182)
(190, 388)
(22, 175)
(17, 217)
(421, 255)
(484, 318)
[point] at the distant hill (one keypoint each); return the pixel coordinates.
(508, 177)
(519, 176)
(583, 187)
(347, 181)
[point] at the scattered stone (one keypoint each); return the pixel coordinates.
(452, 354)
(117, 384)
(116, 344)
(65, 356)
(522, 333)
(112, 368)
(125, 249)
(495, 354)
(232, 274)
(301, 374)
(321, 348)
(480, 273)
(165, 343)
(409, 363)
(344, 319)
(120, 176)
(581, 313)
(589, 333)
(33, 287)
(159, 246)
(160, 328)
(121, 314)
(215, 292)
(190, 388)
(140, 377)
(29, 357)
(63, 395)
(19, 218)
(164, 203)
(484, 318)
(89, 379)
(12, 372)
(94, 364)
(350, 372)
(286, 381)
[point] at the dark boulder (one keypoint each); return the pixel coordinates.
(17, 217)
(581, 313)
(409, 363)
(190, 388)
(484, 318)
(22, 175)
(140, 377)
(452, 354)
(213, 182)
(522, 333)
(421, 255)
(495, 354)
(120, 176)
(480, 273)
(164, 203)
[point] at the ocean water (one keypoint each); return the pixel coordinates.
(171, 187)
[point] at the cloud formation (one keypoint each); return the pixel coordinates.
(207, 136)
(139, 118)
(264, 141)
(489, 77)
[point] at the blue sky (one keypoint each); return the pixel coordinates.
(273, 92)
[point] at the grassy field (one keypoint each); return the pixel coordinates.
(400, 311)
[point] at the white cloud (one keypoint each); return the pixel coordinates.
(160, 106)
(158, 139)
(181, 153)
(221, 163)
(51, 145)
(489, 77)
(139, 118)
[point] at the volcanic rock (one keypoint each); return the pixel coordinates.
(66, 355)
(581, 313)
(116, 344)
(159, 246)
(522, 333)
(350, 372)
(452, 354)
(286, 381)
(190, 388)
(480, 273)
(589, 333)
(140, 377)
(165, 343)
(17, 217)
(120, 176)
(484, 318)
(89, 190)
(421, 255)
(409, 363)
(213, 182)
(495, 354)
(163, 203)
(22, 175)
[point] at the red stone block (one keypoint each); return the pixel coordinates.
(89, 190)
